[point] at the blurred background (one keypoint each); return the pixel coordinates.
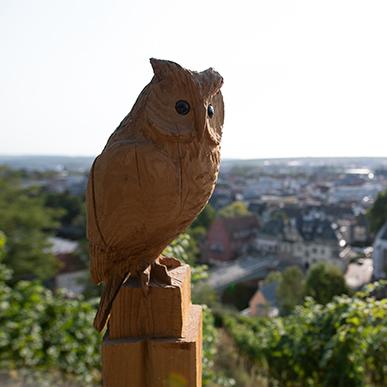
(289, 257)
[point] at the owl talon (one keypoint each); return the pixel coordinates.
(169, 262)
(145, 280)
(159, 273)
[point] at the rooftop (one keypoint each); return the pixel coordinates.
(62, 246)
(383, 233)
(240, 223)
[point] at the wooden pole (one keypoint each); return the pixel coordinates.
(154, 340)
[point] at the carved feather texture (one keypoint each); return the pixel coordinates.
(155, 174)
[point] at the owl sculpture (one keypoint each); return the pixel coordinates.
(154, 176)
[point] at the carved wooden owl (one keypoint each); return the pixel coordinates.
(154, 176)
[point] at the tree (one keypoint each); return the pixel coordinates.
(183, 248)
(377, 214)
(291, 289)
(5, 273)
(199, 228)
(324, 281)
(73, 218)
(274, 276)
(27, 225)
(234, 209)
(205, 218)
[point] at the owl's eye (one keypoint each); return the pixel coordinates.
(182, 107)
(210, 111)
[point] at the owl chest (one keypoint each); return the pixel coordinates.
(182, 179)
(142, 192)
(143, 184)
(181, 173)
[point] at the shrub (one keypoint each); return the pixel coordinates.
(343, 343)
(47, 332)
(47, 335)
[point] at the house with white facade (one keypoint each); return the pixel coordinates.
(305, 238)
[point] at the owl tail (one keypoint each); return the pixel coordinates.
(109, 293)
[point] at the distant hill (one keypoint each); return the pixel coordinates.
(83, 163)
(77, 163)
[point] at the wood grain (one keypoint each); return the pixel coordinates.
(154, 176)
(157, 362)
(160, 313)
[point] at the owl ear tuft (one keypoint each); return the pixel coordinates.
(211, 81)
(164, 68)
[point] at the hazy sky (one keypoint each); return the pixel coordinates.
(302, 78)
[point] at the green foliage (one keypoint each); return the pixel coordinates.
(234, 209)
(202, 293)
(230, 367)
(5, 273)
(46, 335)
(25, 221)
(324, 281)
(209, 345)
(377, 214)
(205, 218)
(279, 215)
(185, 248)
(274, 276)
(44, 331)
(70, 203)
(291, 289)
(343, 343)
(238, 295)
(73, 218)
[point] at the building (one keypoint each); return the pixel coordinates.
(380, 254)
(230, 238)
(359, 273)
(304, 238)
(356, 231)
(354, 194)
(72, 273)
(263, 302)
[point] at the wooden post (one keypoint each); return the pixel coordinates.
(154, 340)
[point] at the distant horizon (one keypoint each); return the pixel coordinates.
(26, 155)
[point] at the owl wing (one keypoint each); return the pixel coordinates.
(133, 199)
(114, 207)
